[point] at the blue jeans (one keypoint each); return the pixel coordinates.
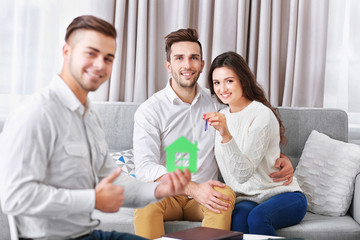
(100, 235)
(282, 210)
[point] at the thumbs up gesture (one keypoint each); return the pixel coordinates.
(108, 196)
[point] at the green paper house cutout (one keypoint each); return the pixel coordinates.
(181, 154)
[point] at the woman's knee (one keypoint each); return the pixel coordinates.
(244, 206)
(257, 217)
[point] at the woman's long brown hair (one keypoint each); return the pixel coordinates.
(251, 89)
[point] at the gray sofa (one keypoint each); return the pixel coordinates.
(299, 122)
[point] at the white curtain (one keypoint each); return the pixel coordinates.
(283, 42)
(286, 50)
(342, 82)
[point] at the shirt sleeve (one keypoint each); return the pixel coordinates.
(26, 145)
(137, 194)
(243, 163)
(147, 145)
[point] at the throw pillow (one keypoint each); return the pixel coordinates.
(125, 160)
(326, 173)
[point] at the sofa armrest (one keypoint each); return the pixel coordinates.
(355, 208)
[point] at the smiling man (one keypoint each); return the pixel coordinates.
(88, 60)
(55, 164)
(170, 113)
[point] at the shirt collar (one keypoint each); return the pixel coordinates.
(173, 97)
(68, 97)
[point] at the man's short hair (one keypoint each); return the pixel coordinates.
(89, 22)
(181, 35)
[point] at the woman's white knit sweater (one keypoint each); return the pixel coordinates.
(249, 157)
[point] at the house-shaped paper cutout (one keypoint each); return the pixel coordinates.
(181, 154)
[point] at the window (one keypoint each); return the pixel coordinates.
(342, 74)
(32, 35)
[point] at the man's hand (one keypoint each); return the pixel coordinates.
(286, 172)
(108, 196)
(173, 183)
(206, 195)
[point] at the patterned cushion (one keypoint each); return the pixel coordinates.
(125, 160)
(326, 173)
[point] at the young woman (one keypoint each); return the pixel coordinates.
(247, 141)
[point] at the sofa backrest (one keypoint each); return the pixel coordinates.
(118, 122)
(299, 122)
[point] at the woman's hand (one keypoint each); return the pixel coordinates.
(218, 121)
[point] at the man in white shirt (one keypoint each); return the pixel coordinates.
(55, 167)
(178, 111)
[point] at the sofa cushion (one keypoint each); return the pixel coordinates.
(320, 227)
(125, 160)
(123, 221)
(326, 173)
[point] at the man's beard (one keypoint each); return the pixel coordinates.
(183, 83)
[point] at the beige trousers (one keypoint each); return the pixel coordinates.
(149, 221)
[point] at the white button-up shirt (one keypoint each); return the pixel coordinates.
(53, 152)
(162, 119)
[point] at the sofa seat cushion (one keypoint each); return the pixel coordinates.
(312, 227)
(123, 221)
(320, 227)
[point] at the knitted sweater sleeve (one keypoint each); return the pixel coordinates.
(242, 161)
